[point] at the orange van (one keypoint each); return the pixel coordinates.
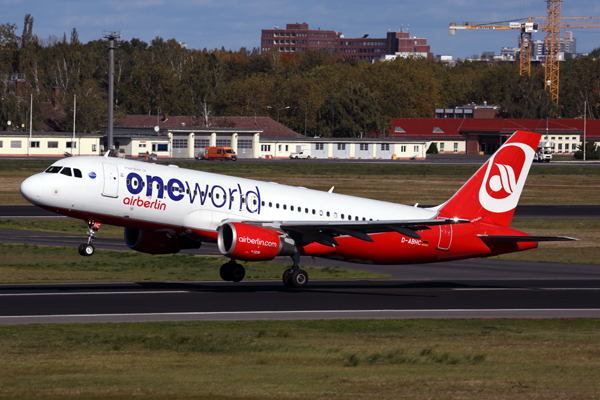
(219, 153)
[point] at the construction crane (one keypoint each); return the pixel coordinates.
(526, 28)
(552, 25)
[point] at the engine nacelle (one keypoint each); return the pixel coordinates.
(252, 243)
(157, 242)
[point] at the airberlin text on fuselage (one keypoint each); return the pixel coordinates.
(176, 190)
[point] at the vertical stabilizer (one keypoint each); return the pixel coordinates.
(493, 192)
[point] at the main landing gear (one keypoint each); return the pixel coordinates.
(232, 271)
(87, 249)
(295, 277)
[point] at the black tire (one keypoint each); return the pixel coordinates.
(82, 249)
(299, 279)
(287, 278)
(225, 272)
(88, 250)
(308, 157)
(237, 272)
(233, 158)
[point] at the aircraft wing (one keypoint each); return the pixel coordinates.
(307, 232)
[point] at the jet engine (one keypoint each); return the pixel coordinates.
(157, 242)
(252, 243)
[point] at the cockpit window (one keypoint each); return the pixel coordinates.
(77, 173)
(53, 169)
(66, 171)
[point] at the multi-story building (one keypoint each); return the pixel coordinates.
(298, 37)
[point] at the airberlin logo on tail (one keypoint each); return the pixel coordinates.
(505, 177)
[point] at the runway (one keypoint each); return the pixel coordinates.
(178, 301)
(478, 288)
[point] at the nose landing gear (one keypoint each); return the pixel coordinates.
(87, 249)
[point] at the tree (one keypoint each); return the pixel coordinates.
(433, 149)
(592, 151)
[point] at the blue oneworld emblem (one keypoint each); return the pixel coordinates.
(92, 175)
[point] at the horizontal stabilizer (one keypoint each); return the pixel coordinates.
(524, 238)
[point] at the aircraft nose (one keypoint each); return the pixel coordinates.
(31, 189)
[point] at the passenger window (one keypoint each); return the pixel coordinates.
(284, 207)
(314, 211)
(328, 213)
(356, 218)
(306, 210)
(291, 208)
(277, 205)
(217, 196)
(243, 200)
(128, 182)
(342, 216)
(232, 199)
(320, 213)
(335, 215)
(349, 217)
(254, 202)
(53, 170)
(143, 184)
(210, 194)
(77, 173)
(66, 171)
(195, 192)
(263, 203)
(270, 204)
(158, 186)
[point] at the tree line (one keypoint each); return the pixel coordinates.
(319, 90)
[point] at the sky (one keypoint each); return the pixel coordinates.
(238, 23)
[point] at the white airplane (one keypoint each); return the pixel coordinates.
(165, 209)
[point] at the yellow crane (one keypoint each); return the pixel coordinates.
(552, 25)
(526, 28)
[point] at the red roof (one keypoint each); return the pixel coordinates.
(449, 128)
(269, 127)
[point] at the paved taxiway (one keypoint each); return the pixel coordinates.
(479, 288)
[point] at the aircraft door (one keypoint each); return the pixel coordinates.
(111, 180)
(445, 237)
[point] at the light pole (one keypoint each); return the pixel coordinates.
(279, 109)
(305, 116)
(112, 37)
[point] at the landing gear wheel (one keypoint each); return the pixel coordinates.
(287, 278)
(225, 272)
(238, 272)
(86, 249)
(299, 278)
(232, 271)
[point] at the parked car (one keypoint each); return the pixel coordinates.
(221, 153)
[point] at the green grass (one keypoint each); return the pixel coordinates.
(382, 359)
(31, 263)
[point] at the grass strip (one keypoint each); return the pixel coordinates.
(34, 264)
(383, 359)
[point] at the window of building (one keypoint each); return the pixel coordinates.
(142, 145)
(71, 145)
(416, 149)
(287, 147)
(402, 149)
(15, 144)
(341, 146)
(224, 142)
(1, 143)
(319, 146)
(441, 147)
(279, 148)
(265, 147)
(35, 145)
(566, 147)
(364, 146)
(385, 147)
(456, 147)
(94, 147)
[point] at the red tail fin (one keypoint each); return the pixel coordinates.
(493, 192)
